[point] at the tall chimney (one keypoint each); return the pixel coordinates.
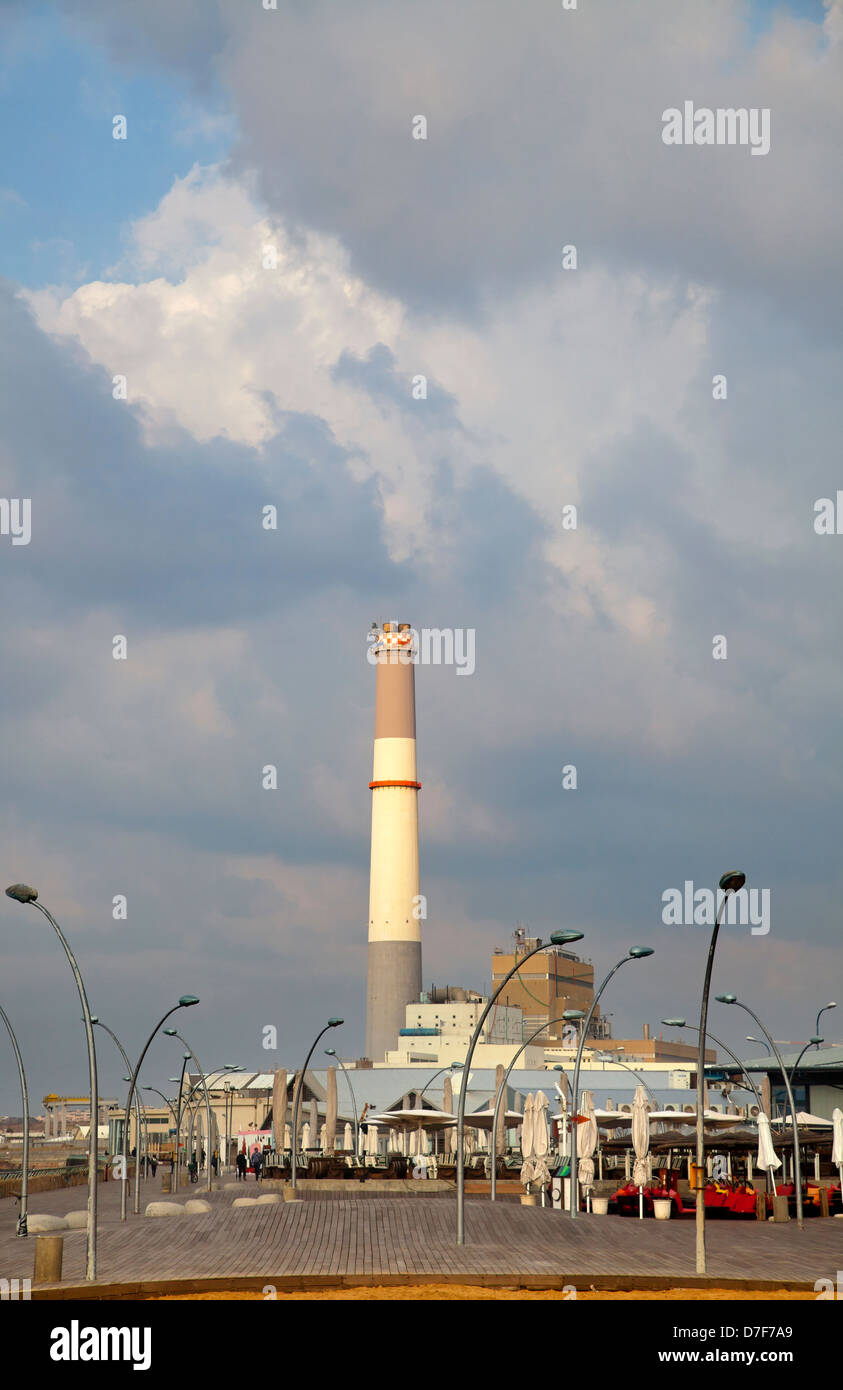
(394, 972)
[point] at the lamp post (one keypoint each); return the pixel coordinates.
(812, 1042)
(168, 1103)
(22, 893)
(557, 938)
(97, 1022)
(634, 953)
(731, 999)
(750, 1038)
(332, 1052)
(493, 1193)
(832, 1005)
(731, 882)
(332, 1023)
(452, 1066)
(179, 1081)
(171, 1033)
(21, 1228)
(186, 1001)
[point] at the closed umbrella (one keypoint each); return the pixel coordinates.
(348, 1137)
(372, 1140)
(541, 1143)
(766, 1153)
(331, 1111)
(305, 1135)
(279, 1107)
(448, 1096)
(497, 1145)
(323, 1138)
(314, 1118)
(288, 1137)
(837, 1144)
(586, 1143)
(640, 1143)
(528, 1165)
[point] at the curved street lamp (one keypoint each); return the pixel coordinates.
(832, 1005)
(332, 1023)
(179, 1081)
(750, 1038)
(634, 953)
(731, 882)
(185, 1002)
(171, 1033)
(557, 938)
(22, 893)
(812, 1042)
(548, 1023)
(731, 999)
(332, 1052)
(21, 1228)
(97, 1022)
(680, 1023)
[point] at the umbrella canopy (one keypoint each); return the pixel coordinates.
(288, 1137)
(414, 1119)
(837, 1145)
(766, 1153)
(586, 1140)
(323, 1138)
(528, 1165)
(482, 1119)
(804, 1118)
(279, 1106)
(331, 1110)
(305, 1135)
(498, 1140)
(348, 1137)
(640, 1136)
(604, 1119)
(372, 1140)
(711, 1118)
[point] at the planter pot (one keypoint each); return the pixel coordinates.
(529, 1199)
(600, 1206)
(661, 1208)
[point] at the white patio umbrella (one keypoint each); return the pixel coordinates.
(348, 1137)
(837, 1144)
(323, 1137)
(528, 1165)
(807, 1121)
(288, 1137)
(305, 1135)
(586, 1143)
(279, 1107)
(640, 1143)
(766, 1153)
(541, 1139)
(372, 1140)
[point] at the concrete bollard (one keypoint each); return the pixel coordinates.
(760, 1206)
(49, 1251)
(823, 1201)
(780, 1211)
(166, 1182)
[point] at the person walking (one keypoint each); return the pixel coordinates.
(242, 1165)
(257, 1163)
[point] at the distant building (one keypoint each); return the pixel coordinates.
(546, 985)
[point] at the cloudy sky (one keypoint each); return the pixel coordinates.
(269, 258)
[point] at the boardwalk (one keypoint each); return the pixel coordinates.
(353, 1235)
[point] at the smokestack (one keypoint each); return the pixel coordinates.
(394, 973)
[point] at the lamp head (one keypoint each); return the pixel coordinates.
(573, 1015)
(817, 1040)
(726, 998)
(186, 1000)
(639, 952)
(558, 1066)
(94, 1019)
(335, 1022)
(673, 1022)
(22, 893)
(733, 881)
(330, 1052)
(564, 938)
(832, 1005)
(457, 1066)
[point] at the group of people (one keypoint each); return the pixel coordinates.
(256, 1160)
